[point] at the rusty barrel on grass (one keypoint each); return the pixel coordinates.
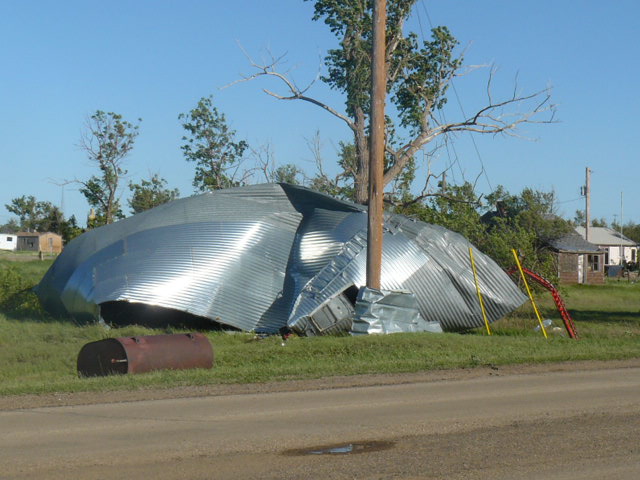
(144, 354)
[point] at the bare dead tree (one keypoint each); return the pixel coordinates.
(418, 78)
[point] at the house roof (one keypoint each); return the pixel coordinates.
(34, 234)
(606, 236)
(574, 243)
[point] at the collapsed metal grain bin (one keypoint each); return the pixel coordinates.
(266, 257)
(144, 354)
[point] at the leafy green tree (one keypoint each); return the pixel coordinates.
(579, 220)
(528, 222)
(418, 76)
(631, 230)
(341, 185)
(455, 208)
(212, 146)
(533, 210)
(35, 215)
(287, 173)
(150, 193)
(102, 199)
(525, 222)
(12, 226)
(69, 229)
(264, 158)
(25, 208)
(108, 139)
(41, 216)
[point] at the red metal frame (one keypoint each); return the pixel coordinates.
(540, 280)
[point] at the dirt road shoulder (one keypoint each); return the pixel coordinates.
(15, 402)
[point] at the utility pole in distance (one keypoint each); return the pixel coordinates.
(587, 223)
(587, 207)
(376, 149)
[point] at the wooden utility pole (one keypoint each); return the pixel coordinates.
(376, 150)
(587, 223)
(622, 257)
(587, 207)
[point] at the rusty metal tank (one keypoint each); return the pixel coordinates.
(144, 354)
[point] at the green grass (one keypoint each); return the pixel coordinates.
(31, 271)
(38, 354)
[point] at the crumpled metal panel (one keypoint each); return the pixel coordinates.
(222, 256)
(384, 311)
(264, 257)
(448, 275)
(427, 260)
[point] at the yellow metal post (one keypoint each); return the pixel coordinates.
(526, 284)
(475, 277)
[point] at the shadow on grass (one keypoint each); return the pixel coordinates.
(24, 306)
(38, 316)
(598, 316)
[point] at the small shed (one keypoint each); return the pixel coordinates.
(45, 242)
(8, 241)
(578, 261)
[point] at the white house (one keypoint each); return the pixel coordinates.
(8, 241)
(616, 246)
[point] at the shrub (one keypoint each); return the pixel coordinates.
(16, 294)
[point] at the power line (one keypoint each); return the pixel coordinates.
(473, 140)
(448, 145)
(569, 201)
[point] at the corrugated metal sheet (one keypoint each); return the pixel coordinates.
(268, 256)
(427, 260)
(383, 311)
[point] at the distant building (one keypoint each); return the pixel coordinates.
(616, 247)
(47, 242)
(578, 261)
(8, 241)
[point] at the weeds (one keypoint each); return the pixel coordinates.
(16, 294)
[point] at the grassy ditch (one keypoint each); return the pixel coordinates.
(38, 354)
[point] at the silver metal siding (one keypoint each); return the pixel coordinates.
(262, 257)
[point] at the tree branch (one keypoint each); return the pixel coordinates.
(486, 120)
(295, 93)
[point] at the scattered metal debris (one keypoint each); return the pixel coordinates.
(381, 311)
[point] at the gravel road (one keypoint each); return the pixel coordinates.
(578, 421)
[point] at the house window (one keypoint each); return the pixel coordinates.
(606, 256)
(9, 239)
(594, 263)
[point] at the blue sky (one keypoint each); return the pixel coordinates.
(154, 59)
